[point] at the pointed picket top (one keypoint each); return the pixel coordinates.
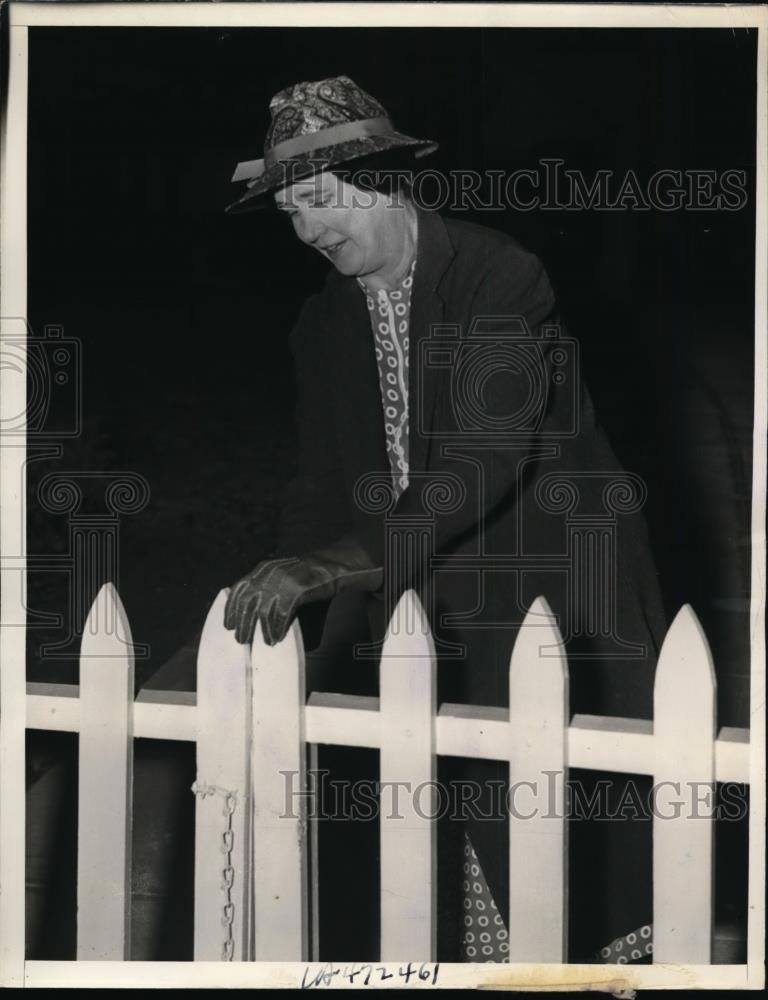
(217, 641)
(684, 702)
(288, 652)
(106, 631)
(409, 633)
(685, 661)
(538, 668)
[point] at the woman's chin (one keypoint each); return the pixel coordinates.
(346, 261)
(344, 267)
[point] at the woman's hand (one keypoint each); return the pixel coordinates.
(274, 591)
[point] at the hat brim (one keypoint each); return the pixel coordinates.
(305, 165)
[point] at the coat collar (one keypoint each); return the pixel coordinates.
(350, 352)
(435, 249)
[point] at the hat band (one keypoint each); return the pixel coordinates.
(251, 170)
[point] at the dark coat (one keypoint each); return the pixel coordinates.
(542, 505)
(505, 421)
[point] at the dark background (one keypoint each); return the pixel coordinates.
(183, 312)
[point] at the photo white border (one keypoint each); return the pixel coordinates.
(14, 971)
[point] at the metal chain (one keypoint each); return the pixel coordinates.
(228, 872)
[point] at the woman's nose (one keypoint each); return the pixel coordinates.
(309, 229)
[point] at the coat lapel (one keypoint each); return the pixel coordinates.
(425, 381)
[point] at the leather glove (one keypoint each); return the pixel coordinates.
(274, 591)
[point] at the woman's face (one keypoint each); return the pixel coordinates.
(359, 232)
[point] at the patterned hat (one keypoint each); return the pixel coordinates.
(329, 120)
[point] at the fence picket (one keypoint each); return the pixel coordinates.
(684, 748)
(105, 782)
(280, 845)
(408, 835)
(538, 733)
(223, 733)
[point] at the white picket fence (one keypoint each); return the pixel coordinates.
(250, 720)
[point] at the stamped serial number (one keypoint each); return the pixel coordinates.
(331, 974)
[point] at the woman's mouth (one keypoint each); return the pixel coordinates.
(334, 248)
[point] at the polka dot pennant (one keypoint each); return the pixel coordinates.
(484, 936)
(623, 950)
(389, 312)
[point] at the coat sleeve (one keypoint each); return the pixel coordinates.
(313, 507)
(515, 285)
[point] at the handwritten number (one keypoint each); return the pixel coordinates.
(408, 971)
(326, 974)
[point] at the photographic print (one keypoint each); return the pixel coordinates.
(383, 426)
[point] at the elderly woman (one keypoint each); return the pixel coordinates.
(434, 357)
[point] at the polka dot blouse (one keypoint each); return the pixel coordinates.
(390, 316)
